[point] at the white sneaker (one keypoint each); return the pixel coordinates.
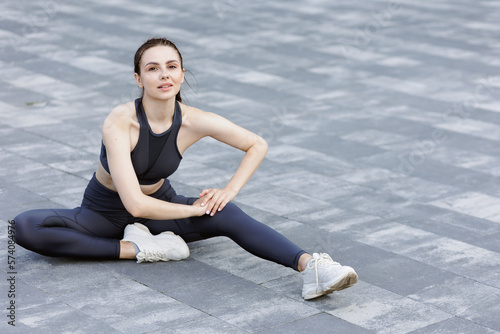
(165, 246)
(323, 276)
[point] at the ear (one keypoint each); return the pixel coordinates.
(183, 72)
(138, 80)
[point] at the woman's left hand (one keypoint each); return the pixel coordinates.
(216, 199)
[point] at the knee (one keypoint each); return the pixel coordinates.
(229, 214)
(25, 225)
(231, 209)
(232, 219)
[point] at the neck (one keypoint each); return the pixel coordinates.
(158, 110)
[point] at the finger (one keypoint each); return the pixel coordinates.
(223, 204)
(214, 204)
(198, 203)
(220, 204)
(207, 197)
(204, 192)
(209, 203)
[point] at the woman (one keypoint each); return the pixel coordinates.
(130, 197)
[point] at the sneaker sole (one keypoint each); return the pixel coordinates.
(345, 282)
(349, 279)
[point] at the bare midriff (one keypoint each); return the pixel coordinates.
(105, 179)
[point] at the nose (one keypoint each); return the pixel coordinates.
(164, 75)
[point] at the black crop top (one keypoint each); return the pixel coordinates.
(156, 156)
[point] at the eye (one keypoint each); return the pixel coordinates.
(172, 67)
(152, 69)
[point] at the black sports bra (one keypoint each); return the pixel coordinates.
(155, 156)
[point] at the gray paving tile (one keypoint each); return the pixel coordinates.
(17, 194)
(275, 202)
(321, 323)
(56, 317)
(167, 276)
(382, 312)
(290, 286)
(110, 301)
(372, 202)
(413, 188)
(484, 313)
(36, 203)
(22, 97)
(403, 276)
(467, 298)
(455, 325)
(314, 185)
(57, 275)
(471, 203)
(348, 150)
(454, 256)
(10, 136)
(229, 257)
(489, 242)
(470, 261)
(447, 223)
(208, 325)
(240, 303)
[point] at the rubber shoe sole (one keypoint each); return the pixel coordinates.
(346, 280)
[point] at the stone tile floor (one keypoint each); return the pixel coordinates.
(383, 120)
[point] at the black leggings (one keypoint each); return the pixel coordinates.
(94, 230)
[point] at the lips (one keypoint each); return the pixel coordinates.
(165, 86)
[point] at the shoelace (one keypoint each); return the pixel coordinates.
(323, 260)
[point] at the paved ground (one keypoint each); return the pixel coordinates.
(383, 120)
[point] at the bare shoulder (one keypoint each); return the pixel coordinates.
(198, 124)
(121, 115)
(125, 110)
(194, 117)
(190, 114)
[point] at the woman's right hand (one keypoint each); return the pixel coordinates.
(199, 210)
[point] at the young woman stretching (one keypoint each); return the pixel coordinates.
(130, 197)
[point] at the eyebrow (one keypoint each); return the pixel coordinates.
(156, 63)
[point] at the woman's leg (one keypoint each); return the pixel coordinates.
(321, 274)
(255, 237)
(75, 232)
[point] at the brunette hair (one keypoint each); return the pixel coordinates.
(152, 43)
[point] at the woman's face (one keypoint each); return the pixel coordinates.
(161, 73)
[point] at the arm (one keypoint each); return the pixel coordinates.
(116, 133)
(255, 149)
